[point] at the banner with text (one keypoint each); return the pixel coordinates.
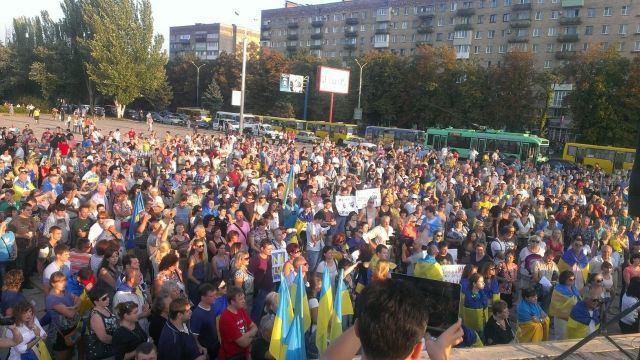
(362, 196)
(346, 204)
(452, 273)
(278, 258)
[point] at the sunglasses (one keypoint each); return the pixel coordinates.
(199, 246)
(246, 258)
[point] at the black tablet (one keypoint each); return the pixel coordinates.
(443, 299)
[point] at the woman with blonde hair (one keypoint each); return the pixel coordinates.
(163, 249)
(198, 268)
(242, 278)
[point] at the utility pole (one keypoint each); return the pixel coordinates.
(198, 82)
(357, 115)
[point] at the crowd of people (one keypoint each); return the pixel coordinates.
(154, 245)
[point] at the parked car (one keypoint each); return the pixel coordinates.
(131, 114)
(110, 110)
(98, 111)
(157, 117)
(307, 137)
(174, 120)
(358, 141)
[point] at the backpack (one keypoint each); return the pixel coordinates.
(7, 243)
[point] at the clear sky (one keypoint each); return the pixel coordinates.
(166, 13)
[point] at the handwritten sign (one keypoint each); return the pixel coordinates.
(346, 205)
(278, 258)
(363, 196)
(452, 273)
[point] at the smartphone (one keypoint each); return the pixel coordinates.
(443, 299)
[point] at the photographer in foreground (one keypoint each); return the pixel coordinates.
(391, 323)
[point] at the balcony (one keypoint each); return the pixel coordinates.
(350, 33)
(565, 55)
(567, 38)
(265, 27)
(459, 27)
(292, 47)
(265, 37)
(465, 12)
(315, 46)
(381, 44)
(521, 7)
(518, 39)
(349, 46)
(385, 17)
(570, 20)
(317, 23)
(519, 24)
(426, 15)
(384, 30)
(422, 43)
(293, 25)
(572, 3)
(316, 36)
(292, 37)
(185, 41)
(425, 29)
(352, 21)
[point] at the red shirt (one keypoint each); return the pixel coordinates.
(64, 148)
(131, 134)
(232, 327)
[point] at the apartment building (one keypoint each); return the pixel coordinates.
(483, 30)
(207, 41)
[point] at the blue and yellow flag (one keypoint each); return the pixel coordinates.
(288, 187)
(138, 207)
(294, 341)
(324, 312)
(336, 318)
(306, 314)
(282, 323)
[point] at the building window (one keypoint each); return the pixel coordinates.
(480, 19)
(621, 46)
(491, 34)
(507, 2)
(547, 64)
(550, 47)
(502, 49)
(439, 37)
(605, 30)
(381, 38)
(539, 15)
(567, 47)
(494, 3)
(505, 17)
(591, 12)
(534, 48)
(637, 46)
(536, 32)
(585, 46)
(476, 50)
(625, 10)
(454, 6)
(363, 28)
(554, 14)
(607, 11)
(604, 45)
(404, 25)
(185, 37)
(622, 30)
(451, 35)
(551, 32)
(492, 18)
(478, 35)
(489, 49)
(441, 21)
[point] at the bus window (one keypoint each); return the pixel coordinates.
(630, 157)
(349, 130)
(571, 150)
(430, 139)
(491, 145)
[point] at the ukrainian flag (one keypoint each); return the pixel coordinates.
(569, 259)
(324, 312)
(336, 318)
(138, 207)
(306, 314)
(579, 320)
(281, 324)
(288, 187)
(294, 341)
(563, 299)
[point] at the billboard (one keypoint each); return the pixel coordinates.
(333, 80)
(292, 83)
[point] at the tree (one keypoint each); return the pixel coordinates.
(212, 98)
(126, 57)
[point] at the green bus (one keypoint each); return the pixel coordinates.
(514, 145)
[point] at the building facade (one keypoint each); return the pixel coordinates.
(483, 30)
(207, 41)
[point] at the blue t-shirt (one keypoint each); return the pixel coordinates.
(52, 300)
(220, 305)
(203, 324)
(9, 299)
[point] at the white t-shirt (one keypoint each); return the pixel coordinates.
(53, 267)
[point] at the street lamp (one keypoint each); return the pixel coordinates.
(244, 75)
(359, 109)
(197, 81)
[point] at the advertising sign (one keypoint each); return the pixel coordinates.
(292, 83)
(333, 80)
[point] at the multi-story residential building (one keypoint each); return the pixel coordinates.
(207, 41)
(553, 30)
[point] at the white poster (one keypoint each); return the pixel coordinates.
(236, 97)
(452, 273)
(346, 204)
(278, 258)
(333, 80)
(362, 196)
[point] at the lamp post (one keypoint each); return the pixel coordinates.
(244, 75)
(359, 109)
(197, 82)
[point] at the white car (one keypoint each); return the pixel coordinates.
(307, 137)
(358, 141)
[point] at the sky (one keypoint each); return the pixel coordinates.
(166, 13)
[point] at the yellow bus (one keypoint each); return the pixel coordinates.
(285, 124)
(195, 113)
(336, 131)
(609, 158)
